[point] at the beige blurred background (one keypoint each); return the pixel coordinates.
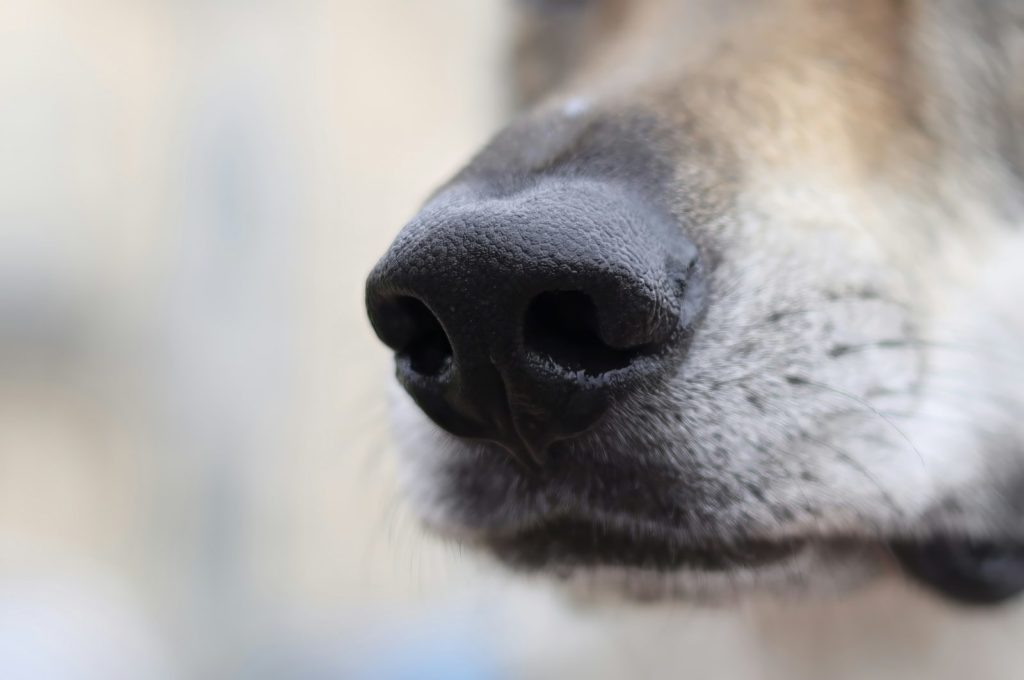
(193, 446)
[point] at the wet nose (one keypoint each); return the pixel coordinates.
(520, 318)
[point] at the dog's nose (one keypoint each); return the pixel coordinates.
(520, 317)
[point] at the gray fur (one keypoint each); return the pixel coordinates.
(859, 375)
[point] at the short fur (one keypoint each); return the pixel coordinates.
(853, 172)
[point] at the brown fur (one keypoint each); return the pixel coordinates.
(857, 88)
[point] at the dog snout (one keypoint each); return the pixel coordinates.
(520, 317)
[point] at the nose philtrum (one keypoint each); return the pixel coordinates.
(520, 319)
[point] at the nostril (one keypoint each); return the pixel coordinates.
(422, 340)
(563, 326)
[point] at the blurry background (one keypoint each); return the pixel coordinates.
(194, 472)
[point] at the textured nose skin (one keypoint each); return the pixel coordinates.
(520, 317)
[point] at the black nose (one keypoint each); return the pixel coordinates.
(519, 318)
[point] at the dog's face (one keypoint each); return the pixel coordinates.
(734, 305)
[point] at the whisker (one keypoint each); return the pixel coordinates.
(797, 380)
(856, 465)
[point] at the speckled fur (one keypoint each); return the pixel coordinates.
(852, 170)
